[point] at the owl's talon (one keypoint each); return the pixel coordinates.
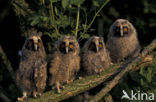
(62, 87)
(24, 97)
(80, 78)
(35, 94)
(58, 86)
(39, 95)
(58, 90)
(67, 81)
(20, 99)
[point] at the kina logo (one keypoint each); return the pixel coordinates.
(137, 96)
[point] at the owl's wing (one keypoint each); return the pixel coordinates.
(54, 63)
(40, 76)
(77, 64)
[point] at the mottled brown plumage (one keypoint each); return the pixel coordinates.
(65, 62)
(95, 57)
(122, 41)
(32, 72)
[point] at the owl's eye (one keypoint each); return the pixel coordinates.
(39, 40)
(63, 45)
(92, 46)
(125, 30)
(117, 31)
(100, 45)
(29, 45)
(71, 46)
(62, 48)
(39, 43)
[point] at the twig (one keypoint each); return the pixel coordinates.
(53, 17)
(108, 98)
(77, 21)
(4, 97)
(7, 64)
(92, 21)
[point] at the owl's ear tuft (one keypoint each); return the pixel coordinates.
(39, 34)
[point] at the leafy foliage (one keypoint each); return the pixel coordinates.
(59, 17)
(142, 81)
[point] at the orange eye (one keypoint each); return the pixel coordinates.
(125, 29)
(100, 45)
(71, 46)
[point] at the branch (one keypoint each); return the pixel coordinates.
(7, 64)
(77, 21)
(108, 98)
(89, 82)
(76, 87)
(4, 97)
(128, 66)
(96, 14)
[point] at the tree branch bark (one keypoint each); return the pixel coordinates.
(7, 64)
(4, 97)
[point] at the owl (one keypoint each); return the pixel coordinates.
(95, 58)
(64, 63)
(32, 73)
(122, 41)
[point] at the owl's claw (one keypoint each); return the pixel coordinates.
(20, 99)
(24, 97)
(80, 78)
(39, 95)
(58, 86)
(61, 87)
(36, 94)
(68, 81)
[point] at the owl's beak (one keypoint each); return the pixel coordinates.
(66, 49)
(35, 46)
(97, 46)
(121, 31)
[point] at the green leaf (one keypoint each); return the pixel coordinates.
(149, 75)
(65, 3)
(35, 21)
(56, 11)
(76, 2)
(95, 3)
(84, 36)
(55, 0)
(44, 19)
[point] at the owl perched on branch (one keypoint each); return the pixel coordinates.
(65, 62)
(122, 41)
(95, 57)
(32, 72)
